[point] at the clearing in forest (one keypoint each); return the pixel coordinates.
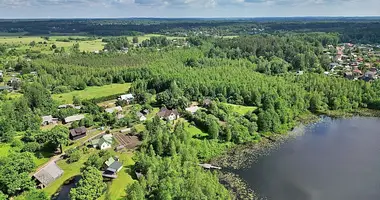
(93, 92)
(242, 109)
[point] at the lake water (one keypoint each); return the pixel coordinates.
(335, 160)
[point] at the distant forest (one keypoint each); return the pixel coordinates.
(357, 30)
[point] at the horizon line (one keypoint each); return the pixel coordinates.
(147, 17)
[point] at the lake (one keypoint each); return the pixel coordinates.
(336, 159)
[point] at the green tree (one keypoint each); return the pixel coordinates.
(58, 136)
(91, 185)
(135, 192)
(135, 40)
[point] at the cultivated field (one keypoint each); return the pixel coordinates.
(93, 92)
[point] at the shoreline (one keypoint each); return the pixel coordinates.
(243, 156)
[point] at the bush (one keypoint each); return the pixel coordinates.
(74, 156)
(31, 147)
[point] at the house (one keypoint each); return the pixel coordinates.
(105, 142)
(140, 116)
(73, 118)
(78, 133)
(46, 120)
(114, 109)
(168, 115)
(112, 167)
(5, 88)
(14, 83)
(145, 111)
(369, 76)
(192, 109)
(348, 75)
(357, 71)
(207, 102)
(299, 73)
(333, 65)
(48, 174)
(126, 97)
(66, 106)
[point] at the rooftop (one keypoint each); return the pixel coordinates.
(49, 173)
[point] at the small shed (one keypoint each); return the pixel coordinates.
(46, 120)
(48, 174)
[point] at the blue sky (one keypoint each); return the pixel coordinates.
(185, 8)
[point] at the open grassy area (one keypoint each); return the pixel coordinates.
(92, 45)
(242, 109)
(193, 130)
(93, 92)
(116, 188)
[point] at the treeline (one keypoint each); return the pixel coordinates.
(169, 169)
(357, 30)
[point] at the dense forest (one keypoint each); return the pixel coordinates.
(254, 71)
(360, 29)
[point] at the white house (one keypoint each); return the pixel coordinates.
(141, 116)
(192, 109)
(168, 115)
(114, 109)
(126, 97)
(105, 142)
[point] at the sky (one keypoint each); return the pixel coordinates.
(185, 8)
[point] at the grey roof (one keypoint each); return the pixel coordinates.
(49, 173)
(48, 118)
(74, 118)
(164, 112)
(115, 166)
(139, 114)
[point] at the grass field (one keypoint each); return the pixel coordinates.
(93, 92)
(116, 188)
(193, 130)
(92, 45)
(242, 109)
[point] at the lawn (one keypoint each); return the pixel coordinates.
(116, 188)
(241, 109)
(193, 130)
(93, 92)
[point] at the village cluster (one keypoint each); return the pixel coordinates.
(118, 140)
(354, 61)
